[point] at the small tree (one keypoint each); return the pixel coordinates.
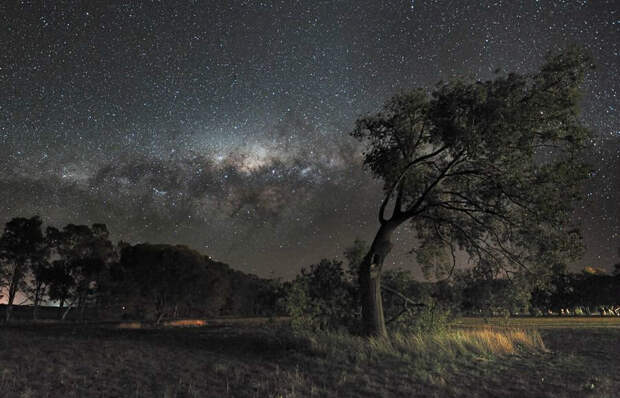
(489, 168)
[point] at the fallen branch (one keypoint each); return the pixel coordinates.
(406, 300)
(403, 297)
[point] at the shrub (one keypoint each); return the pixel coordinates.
(429, 319)
(321, 298)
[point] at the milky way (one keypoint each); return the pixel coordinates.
(224, 125)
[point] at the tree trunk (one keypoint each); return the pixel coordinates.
(64, 314)
(160, 309)
(60, 306)
(35, 306)
(82, 304)
(9, 304)
(373, 320)
(12, 291)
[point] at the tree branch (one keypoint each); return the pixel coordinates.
(403, 297)
(413, 209)
(418, 160)
(395, 317)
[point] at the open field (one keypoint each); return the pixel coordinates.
(72, 360)
(551, 322)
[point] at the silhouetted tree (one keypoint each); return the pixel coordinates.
(490, 168)
(61, 284)
(595, 289)
(40, 274)
(164, 277)
(84, 254)
(482, 294)
(555, 292)
(21, 246)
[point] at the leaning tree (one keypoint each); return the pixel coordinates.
(487, 168)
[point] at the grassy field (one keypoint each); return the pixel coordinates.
(471, 360)
(569, 322)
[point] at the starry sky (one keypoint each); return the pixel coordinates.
(224, 125)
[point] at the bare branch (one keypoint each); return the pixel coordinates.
(412, 211)
(395, 317)
(418, 160)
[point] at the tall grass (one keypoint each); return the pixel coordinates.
(415, 347)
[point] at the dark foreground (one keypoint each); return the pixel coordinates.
(60, 360)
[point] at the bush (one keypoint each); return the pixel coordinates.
(430, 319)
(535, 311)
(322, 298)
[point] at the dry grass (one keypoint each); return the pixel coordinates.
(499, 342)
(417, 348)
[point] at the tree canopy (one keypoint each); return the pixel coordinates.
(22, 246)
(490, 168)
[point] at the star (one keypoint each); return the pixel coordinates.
(224, 126)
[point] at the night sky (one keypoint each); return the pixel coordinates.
(224, 125)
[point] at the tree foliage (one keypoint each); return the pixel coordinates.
(490, 168)
(322, 298)
(163, 278)
(21, 246)
(83, 255)
(157, 282)
(483, 295)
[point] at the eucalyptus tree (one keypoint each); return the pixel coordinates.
(40, 273)
(22, 245)
(82, 255)
(489, 168)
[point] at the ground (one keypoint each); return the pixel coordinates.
(73, 360)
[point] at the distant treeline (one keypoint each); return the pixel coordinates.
(78, 267)
(586, 292)
(325, 295)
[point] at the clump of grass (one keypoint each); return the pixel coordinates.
(415, 347)
(497, 342)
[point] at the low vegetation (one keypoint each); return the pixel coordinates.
(540, 323)
(77, 360)
(87, 277)
(418, 348)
